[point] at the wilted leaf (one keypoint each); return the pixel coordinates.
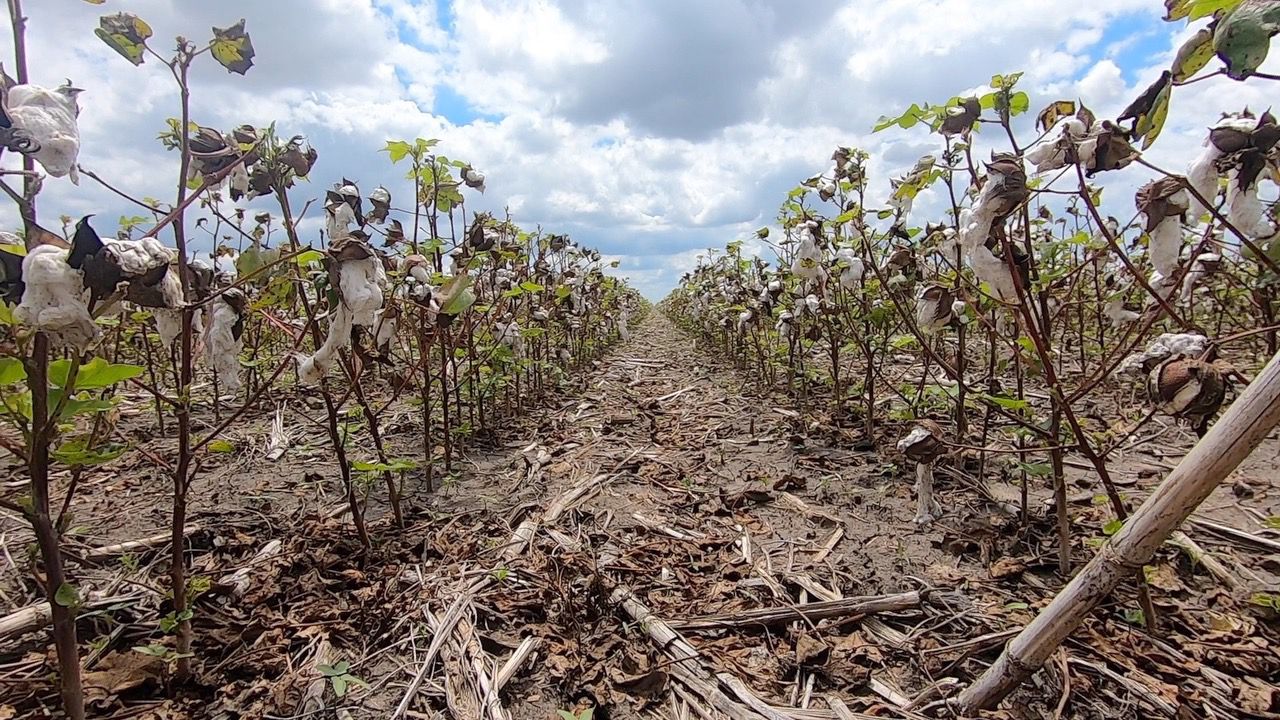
(125, 33)
(1149, 110)
(232, 48)
(1056, 110)
(1194, 54)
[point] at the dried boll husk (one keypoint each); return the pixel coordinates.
(1188, 389)
(924, 443)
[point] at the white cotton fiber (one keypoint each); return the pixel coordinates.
(49, 117)
(55, 300)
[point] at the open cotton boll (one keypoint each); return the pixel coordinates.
(808, 258)
(311, 370)
(222, 346)
(1166, 246)
(1162, 348)
(385, 329)
(975, 223)
(49, 117)
(339, 217)
(510, 337)
(55, 300)
(1052, 152)
(1202, 176)
(360, 288)
(139, 257)
(993, 271)
(168, 325)
(1115, 311)
(1204, 264)
(1245, 211)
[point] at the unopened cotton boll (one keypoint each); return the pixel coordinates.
(55, 300)
(49, 118)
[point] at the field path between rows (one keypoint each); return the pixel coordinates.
(659, 494)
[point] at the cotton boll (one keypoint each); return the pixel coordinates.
(1115, 311)
(1204, 264)
(994, 272)
(224, 342)
(55, 301)
(1052, 152)
(168, 325)
(1244, 210)
(1166, 246)
(853, 271)
(360, 288)
(49, 117)
(624, 333)
(808, 258)
(510, 337)
(1162, 348)
(311, 370)
(812, 303)
(385, 329)
(339, 217)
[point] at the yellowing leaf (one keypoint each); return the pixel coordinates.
(232, 48)
(1154, 121)
(1194, 54)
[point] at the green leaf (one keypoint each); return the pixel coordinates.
(339, 685)
(1008, 403)
(1017, 606)
(125, 33)
(76, 453)
(1272, 523)
(456, 295)
(221, 446)
(1243, 37)
(530, 286)
(1112, 527)
(97, 374)
(1204, 8)
(232, 48)
(1019, 103)
(11, 371)
(152, 650)
(397, 150)
(67, 596)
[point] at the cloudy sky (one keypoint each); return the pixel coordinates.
(649, 129)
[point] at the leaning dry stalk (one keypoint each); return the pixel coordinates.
(1244, 426)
